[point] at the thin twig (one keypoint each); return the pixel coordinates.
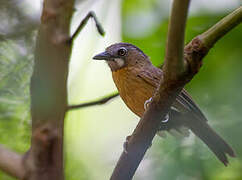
(91, 14)
(11, 163)
(210, 37)
(100, 101)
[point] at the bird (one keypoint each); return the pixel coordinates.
(137, 79)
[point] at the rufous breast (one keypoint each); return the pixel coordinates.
(132, 89)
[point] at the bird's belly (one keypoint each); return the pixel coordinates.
(134, 92)
(137, 100)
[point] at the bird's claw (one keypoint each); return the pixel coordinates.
(125, 145)
(164, 124)
(147, 102)
(146, 105)
(166, 119)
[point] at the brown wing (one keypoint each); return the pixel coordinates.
(151, 75)
(187, 109)
(183, 103)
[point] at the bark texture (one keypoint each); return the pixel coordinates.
(49, 92)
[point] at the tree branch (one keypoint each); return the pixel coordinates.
(48, 90)
(100, 101)
(175, 40)
(177, 72)
(201, 44)
(148, 125)
(216, 32)
(11, 163)
(91, 14)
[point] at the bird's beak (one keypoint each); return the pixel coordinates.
(102, 56)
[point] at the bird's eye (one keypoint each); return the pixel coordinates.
(122, 51)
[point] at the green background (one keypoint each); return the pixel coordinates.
(94, 136)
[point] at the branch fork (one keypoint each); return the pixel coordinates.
(179, 68)
(82, 24)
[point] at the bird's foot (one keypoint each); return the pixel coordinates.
(164, 124)
(125, 145)
(166, 119)
(147, 103)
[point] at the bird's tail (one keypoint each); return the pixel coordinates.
(216, 143)
(200, 128)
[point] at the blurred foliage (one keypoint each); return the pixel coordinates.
(15, 74)
(216, 89)
(14, 92)
(16, 62)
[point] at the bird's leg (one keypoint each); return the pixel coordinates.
(163, 122)
(146, 105)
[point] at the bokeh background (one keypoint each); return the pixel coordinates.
(94, 136)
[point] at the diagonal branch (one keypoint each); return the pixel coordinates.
(91, 14)
(177, 72)
(148, 125)
(11, 163)
(200, 45)
(100, 101)
(216, 32)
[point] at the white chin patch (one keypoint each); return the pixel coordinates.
(119, 61)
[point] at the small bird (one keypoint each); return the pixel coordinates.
(137, 79)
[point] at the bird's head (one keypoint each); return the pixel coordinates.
(121, 55)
